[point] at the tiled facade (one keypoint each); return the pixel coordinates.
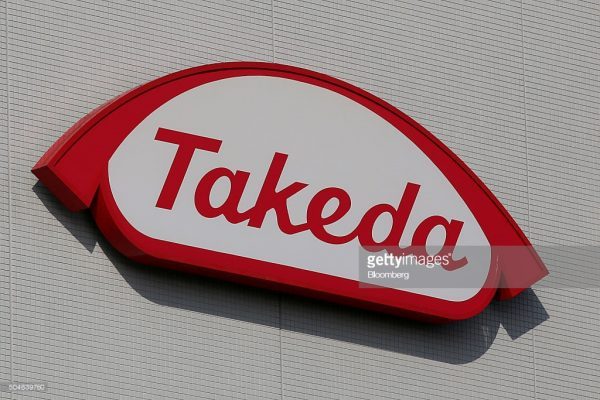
(513, 87)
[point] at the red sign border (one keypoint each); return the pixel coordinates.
(75, 170)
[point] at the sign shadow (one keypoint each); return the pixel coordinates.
(454, 343)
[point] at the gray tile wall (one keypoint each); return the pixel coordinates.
(512, 87)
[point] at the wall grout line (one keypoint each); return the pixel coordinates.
(527, 180)
(280, 349)
(272, 31)
(9, 192)
(281, 392)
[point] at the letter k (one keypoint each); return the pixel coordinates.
(271, 199)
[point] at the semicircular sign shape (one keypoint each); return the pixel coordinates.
(277, 177)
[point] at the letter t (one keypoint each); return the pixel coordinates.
(188, 143)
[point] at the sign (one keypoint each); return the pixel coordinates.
(288, 179)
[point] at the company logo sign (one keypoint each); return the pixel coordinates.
(282, 178)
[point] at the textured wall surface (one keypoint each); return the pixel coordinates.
(513, 87)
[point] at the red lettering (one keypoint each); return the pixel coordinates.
(400, 218)
(452, 230)
(229, 208)
(317, 222)
(187, 143)
(271, 199)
